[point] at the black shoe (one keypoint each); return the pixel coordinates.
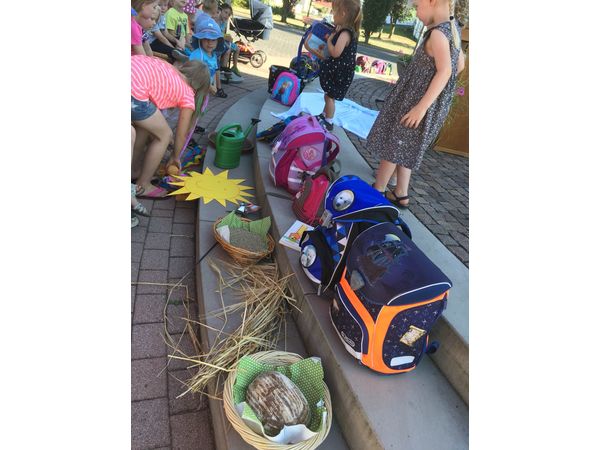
(225, 69)
(221, 93)
(199, 129)
(325, 123)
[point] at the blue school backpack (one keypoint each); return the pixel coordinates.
(388, 298)
(287, 88)
(351, 207)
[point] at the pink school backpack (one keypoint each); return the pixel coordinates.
(308, 205)
(301, 149)
(287, 88)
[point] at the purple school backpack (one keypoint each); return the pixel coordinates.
(301, 149)
(287, 88)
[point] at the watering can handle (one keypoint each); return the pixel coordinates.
(223, 130)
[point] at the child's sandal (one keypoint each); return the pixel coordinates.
(221, 93)
(396, 200)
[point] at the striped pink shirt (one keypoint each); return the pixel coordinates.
(158, 81)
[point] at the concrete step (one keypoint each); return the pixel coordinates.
(207, 249)
(426, 408)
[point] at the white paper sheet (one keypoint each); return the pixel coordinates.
(348, 114)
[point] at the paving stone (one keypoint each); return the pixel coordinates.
(160, 225)
(184, 215)
(155, 260)
(178, 313)
(135, 269)
(168, 204)
(136, 251)
(190, 401)
(147, 341)
(184, 347)
(150, 424)
(149, 309)
(183, 229)
(156, 279)
(138, 234)
(182, 246)
(143, 221)
(192, 431)
(163, 213)
(132, 297)
(148, 379)
(178, 267)
(157, 241)
(190, 283)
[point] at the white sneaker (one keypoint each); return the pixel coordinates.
(233, 78)
(392, 181)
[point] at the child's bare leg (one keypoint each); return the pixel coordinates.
(157, 125)
(403, 179)
(329, 110)
(142, 137)
(384, 173)
(225, 58)
(235, 57)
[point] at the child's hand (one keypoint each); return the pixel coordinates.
(413, 118)
(212, 89)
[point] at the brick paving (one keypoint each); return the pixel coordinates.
(162, 254)
(439, 190)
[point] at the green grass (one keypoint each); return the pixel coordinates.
(401, 40)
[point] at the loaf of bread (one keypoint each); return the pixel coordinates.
(277, 401)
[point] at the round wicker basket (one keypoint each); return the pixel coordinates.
(240, 255)
(260, 442)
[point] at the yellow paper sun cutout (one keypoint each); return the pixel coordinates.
(211, 187)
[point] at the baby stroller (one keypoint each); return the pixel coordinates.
(259, 26)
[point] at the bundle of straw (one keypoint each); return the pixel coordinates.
(264, 296)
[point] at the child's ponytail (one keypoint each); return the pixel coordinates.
(453, 27)
(197, 75)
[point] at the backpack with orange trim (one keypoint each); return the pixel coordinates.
(387, 300)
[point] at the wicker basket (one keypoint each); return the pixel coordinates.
(240, 255)
(260, 442)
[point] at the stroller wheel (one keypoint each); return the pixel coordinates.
(256, 60)
(263, 54)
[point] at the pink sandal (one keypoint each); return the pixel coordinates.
(155, 194)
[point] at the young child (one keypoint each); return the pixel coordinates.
(230, 46)
(415, 110)
(144, 10)
(208, 9)
(156, 84)
(337, 71)
(159, 41)
(211, 42)
(148, 25)
(176, 25)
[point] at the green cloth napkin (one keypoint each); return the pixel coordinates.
(307, 374)
(260, 227)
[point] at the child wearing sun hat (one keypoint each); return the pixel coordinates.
(211, 44)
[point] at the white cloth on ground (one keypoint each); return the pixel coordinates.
(348, 114)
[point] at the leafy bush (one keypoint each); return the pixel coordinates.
(374, 14)
(240, 3)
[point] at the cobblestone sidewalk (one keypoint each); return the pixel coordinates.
(439, 190)
(162, 256)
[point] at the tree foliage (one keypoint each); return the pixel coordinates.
(374, 14)
(400, 11)
(288, 9)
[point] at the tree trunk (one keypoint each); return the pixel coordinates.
(367, 35)
(380, 31)
(393, 27)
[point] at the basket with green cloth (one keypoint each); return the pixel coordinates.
(306, 374)
(246, 241)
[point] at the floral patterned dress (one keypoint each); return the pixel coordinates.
(393, 142)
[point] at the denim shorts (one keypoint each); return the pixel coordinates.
(141, 110)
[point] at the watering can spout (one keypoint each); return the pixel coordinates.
(252, 124)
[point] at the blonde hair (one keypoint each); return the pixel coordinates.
(453, 27)
(352, 14)
(210, 5)
(197, 75)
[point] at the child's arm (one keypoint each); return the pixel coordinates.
(147, 49)
(138, 50)
(336, 50)
(183, 128)
(443, 71)
(161, 37)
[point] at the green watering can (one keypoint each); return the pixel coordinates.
(229, 142)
